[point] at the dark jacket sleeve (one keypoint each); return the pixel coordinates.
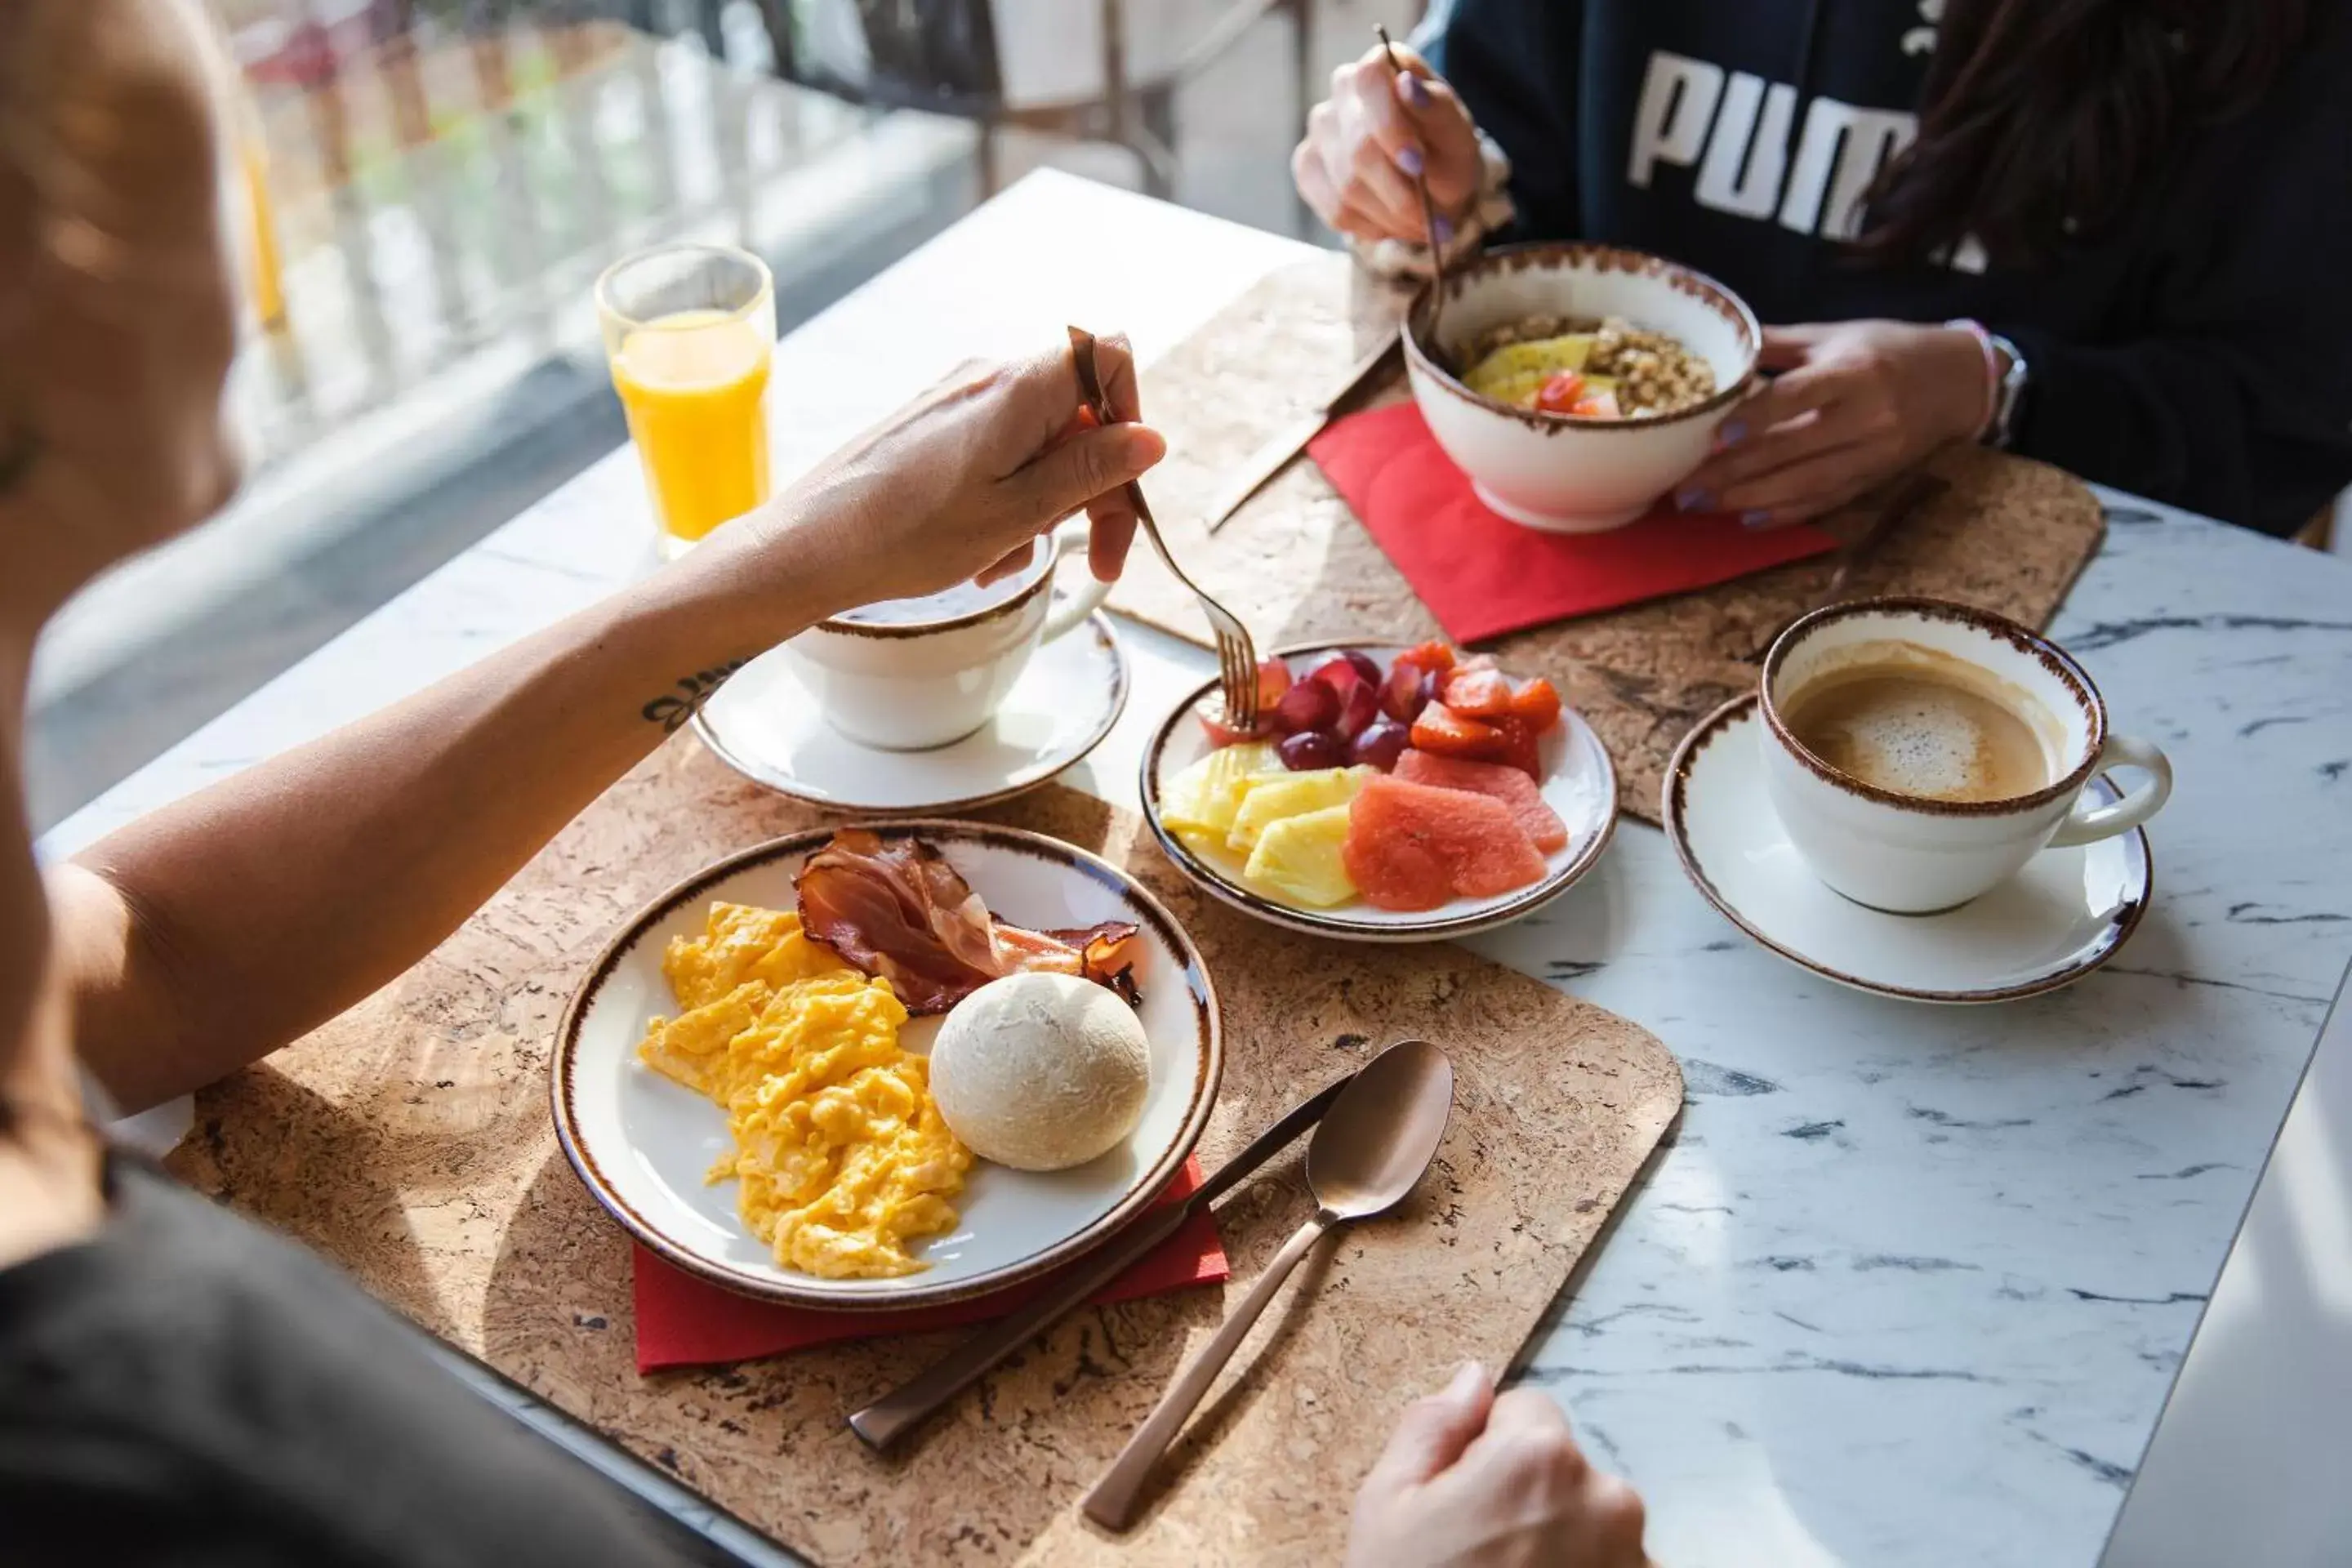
(1515, 64)
(2227, 387)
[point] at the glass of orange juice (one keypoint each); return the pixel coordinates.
(688, 331)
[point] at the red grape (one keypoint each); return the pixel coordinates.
(1337, 673)
(1357, 709)
(1379, 746)
(1400, 696)
(1308, 705)
(1367, 671)
(1309, 749)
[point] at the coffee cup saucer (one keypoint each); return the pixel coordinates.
(2066, 914)
(765, 724)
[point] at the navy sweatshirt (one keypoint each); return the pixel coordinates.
(2200, 354)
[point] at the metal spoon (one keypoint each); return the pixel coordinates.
(1373, 1145)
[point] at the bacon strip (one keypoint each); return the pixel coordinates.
(898, 910)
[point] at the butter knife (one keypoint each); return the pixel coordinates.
(883, 1422)
(1286, 443)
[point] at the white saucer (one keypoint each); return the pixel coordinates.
(764, 724)
(2066, 914)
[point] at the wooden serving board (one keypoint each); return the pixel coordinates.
(410, 1139)
(2007, 535)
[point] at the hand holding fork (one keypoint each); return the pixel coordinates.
(1236, 654)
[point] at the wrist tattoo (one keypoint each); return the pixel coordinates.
(672, 712)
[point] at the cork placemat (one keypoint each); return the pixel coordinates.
(2007, 535)
(410, 1139)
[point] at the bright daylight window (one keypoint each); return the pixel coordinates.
(424, 191)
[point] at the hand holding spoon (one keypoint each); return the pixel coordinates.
(1428, 210)
(1374, 1143)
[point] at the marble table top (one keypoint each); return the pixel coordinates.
(1912, 1284)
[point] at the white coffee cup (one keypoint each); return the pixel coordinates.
(1911, 855)
(896, 679)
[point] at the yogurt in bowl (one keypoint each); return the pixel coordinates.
(1569, 472)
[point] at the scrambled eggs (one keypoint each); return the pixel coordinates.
(841, 1156)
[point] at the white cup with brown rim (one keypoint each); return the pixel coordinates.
(1919, 753)
(911, 674)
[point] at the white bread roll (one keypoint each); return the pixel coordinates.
(1041, 1071)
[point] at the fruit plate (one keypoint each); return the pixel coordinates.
(642, 1144)
(1579, 784)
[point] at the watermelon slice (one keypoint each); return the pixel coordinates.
(1414, 846)
(1513, 789)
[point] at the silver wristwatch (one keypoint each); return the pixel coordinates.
(2007, 393)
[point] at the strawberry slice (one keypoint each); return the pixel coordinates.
(1274, 678)
(1212, 715)
(1561, 392)
(1515, 745)
(1478, 693)
(1449, 735)
(1436, 655)
(1537, 703)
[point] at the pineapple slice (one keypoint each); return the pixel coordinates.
(1268, 799)
(1198, 805)
(1516, 371)
(1298, 859)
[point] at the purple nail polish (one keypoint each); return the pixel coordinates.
(1409, 159)
(1732, 433)
(1444, 229)
(1414, 92)
(1692, 498)
(1756, 517)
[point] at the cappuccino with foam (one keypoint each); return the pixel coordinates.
(1911, 721)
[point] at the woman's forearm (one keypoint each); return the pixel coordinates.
(216, 929)
(209, 933)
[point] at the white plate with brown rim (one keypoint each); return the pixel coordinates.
(2066, 914)
(766, 725)
(1579, 784)
(642, 1142)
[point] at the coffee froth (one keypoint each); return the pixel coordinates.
(1909, 721)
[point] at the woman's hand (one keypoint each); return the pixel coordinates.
(954, 484)
(1471, 1480)
(1855, 403)
(434, 803)
(1366, 142)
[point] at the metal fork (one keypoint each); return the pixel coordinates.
(1236, 654)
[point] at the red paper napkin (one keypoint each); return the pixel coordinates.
(686, 1322)
(1483, 575)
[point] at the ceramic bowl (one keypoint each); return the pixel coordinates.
(1557, 472)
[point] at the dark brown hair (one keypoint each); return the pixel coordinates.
(2043, 120)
